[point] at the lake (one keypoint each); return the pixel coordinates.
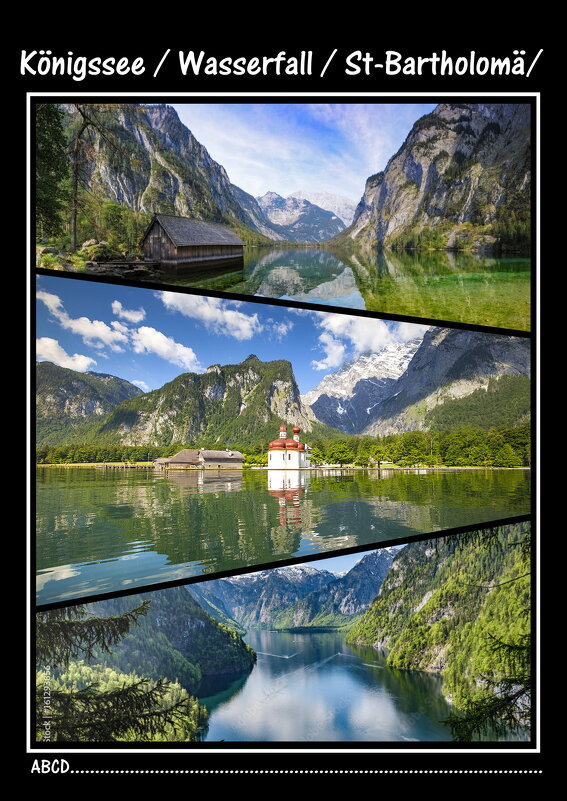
(313, 687)
(103, 530)
(441, 285)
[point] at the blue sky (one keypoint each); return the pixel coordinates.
(150, 337)
(340, 564)
(322, 147)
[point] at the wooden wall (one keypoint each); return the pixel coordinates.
(157, 246)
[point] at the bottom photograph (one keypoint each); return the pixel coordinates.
(424, 642)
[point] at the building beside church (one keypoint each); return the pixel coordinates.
(288, 454)
(201, 458)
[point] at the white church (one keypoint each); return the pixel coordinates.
(288, 454)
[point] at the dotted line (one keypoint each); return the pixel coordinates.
(306, 771)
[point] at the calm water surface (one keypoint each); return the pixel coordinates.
(314, 687)
(460, 287)
(105, 530)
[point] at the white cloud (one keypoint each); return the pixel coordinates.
(132, 315)
(282, 329)
(334, 353)
(93, 332)
(141, 384)
(331, 147)
(214, 313)
(363, 333)
(343, 332)
(406, 331)
(120, 327)
(149, 340)
(49, 350)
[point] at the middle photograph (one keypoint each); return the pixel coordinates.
(180, 435)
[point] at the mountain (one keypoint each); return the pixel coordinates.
(254, 600)
(338, 601)
(143, 157)
(458, 606)
(227, 406)
(67, 401)
(302, 221)
(449, 364)
(176, 640)
(350, 398)
(504, 401)
(256, 216)
(460, 180)
(343, 207)
(150, 161)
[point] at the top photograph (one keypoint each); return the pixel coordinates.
(419, 210)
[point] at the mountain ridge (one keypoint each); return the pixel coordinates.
(148, 160)
(244, 403)
(297, 596)
(461, 179)
(302, 220)
(67, 400)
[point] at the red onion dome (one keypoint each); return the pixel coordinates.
(301, 446)
(296, 429)
(283, 428)
(277, 443)
(291, 443)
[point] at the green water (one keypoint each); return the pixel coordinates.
(457, 287)
(312, 687)
(107, 530)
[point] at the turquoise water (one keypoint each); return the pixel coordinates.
(313, 687)
(458, 287)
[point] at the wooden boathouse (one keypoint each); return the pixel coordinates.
(202, 458)
(178, 241)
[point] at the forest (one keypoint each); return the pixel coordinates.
(462, 609)
(128, 669)
(462, 447)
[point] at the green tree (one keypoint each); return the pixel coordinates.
(51, 168)
(507, 457)
(91, 123)
(340, 452)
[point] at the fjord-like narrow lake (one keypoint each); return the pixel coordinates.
(313, 687)
(105, 530)
(441, 285)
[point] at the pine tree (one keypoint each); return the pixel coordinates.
(139, 709)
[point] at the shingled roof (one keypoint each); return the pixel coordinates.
(227, 455)
(186, 456)
(184, 232)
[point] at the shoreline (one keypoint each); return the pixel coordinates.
(148, 465)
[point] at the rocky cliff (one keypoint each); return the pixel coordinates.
(351, 398)
(291, 597)
(145, 158)
(242, 403)
(66, 400)
(301, 220)
(340, 600)
(342, 206)
(449, 364)
(257, 599)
